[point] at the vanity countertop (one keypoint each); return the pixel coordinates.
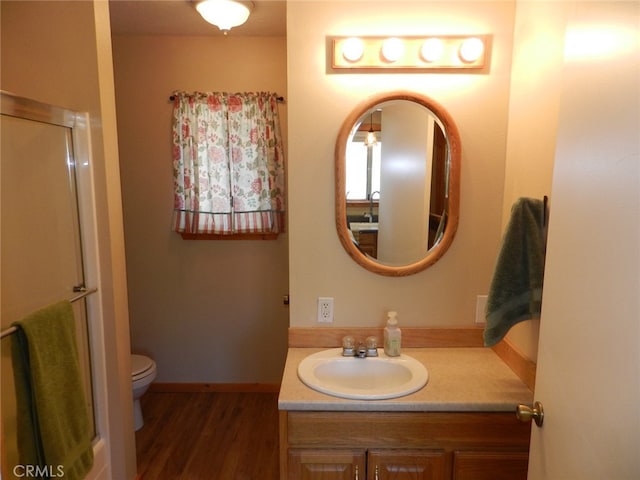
(460, 380)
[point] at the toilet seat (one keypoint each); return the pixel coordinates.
(141, 367)
(143, 373)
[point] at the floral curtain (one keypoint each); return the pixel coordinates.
(228, 163)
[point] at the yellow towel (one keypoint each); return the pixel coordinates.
(53, 422)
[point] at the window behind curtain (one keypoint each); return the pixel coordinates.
(228, 164)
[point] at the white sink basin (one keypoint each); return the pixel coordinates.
(371, 378)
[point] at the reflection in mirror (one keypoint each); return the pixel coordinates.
(397, 183)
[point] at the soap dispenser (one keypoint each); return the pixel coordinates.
(392, 336)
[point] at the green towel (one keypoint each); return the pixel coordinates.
(54, 430)
(515, 293)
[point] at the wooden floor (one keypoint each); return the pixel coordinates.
(205, 436)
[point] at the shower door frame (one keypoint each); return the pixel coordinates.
(82, 170)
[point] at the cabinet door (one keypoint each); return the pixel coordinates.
(307, 464)
(490, 465)
(407, 465)
(368, 243)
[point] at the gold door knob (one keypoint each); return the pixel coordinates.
(525, 413)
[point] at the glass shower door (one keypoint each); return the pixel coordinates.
(41, 256)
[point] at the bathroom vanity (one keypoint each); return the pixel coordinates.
(460, 426)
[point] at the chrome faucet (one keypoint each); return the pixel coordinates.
(361, 350)
(371, 204)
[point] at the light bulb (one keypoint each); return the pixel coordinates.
(431, 50)
(352, 49)
(471, 49)
(392, 49)
(371, 139)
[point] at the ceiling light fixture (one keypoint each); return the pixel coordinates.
(224, 14)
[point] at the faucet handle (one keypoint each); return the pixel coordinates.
(372, 346)
(348, 345)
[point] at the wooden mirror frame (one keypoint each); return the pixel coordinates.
(453, 138)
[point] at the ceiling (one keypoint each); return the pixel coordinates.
(179, 17)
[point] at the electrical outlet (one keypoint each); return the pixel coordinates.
(325, 309)
(481, 305)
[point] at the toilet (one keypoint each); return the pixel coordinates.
(143, 372)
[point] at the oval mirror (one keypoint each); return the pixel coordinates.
(397, 183)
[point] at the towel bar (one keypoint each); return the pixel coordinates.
(89, 291)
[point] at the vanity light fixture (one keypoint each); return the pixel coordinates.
(224, 14)
(411, 53)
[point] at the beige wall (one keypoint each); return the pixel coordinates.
(59, 53)
(533, 120)
(206, 311)
(445, 294)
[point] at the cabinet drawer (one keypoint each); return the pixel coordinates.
(449, 431)
(490, 465)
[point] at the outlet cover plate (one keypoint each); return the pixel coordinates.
(325, 309)
(481, 305)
